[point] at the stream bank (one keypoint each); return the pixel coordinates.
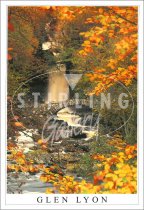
(66, 152)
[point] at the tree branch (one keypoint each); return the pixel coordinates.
(27, 40)
(131, 22)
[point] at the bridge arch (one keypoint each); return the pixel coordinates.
(53, 107)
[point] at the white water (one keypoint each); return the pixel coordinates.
(58, 88)
(24, 139)
(67, 115)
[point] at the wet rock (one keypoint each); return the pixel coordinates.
(79, 136)
(8, 152)
(23, 183)
(85, 148)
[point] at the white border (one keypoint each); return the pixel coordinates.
(30, 199)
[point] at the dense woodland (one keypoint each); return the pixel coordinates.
(100, 43)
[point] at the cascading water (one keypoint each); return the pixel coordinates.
(58, 88)
(58, 91)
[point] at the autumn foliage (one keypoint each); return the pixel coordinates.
(115, 172)
(99, 42)
(11, 29)
(114, 27)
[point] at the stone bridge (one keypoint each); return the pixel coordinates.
(54, 107)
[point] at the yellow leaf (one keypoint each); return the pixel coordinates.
(107, 167)
(119, 165)
(119, 182)
(43, 178)
(49, 191)
(40, 141)
(109, 185)
(113, 176)
(86, 43)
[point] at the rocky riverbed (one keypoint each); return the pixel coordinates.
(64, 151)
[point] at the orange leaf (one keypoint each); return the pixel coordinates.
(97, 179)
(100, 10)
(18, 124)
(10, 27)
(9, 57)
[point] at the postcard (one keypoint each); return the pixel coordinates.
(72, 104)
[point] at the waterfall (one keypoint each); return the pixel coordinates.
(58, 88)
